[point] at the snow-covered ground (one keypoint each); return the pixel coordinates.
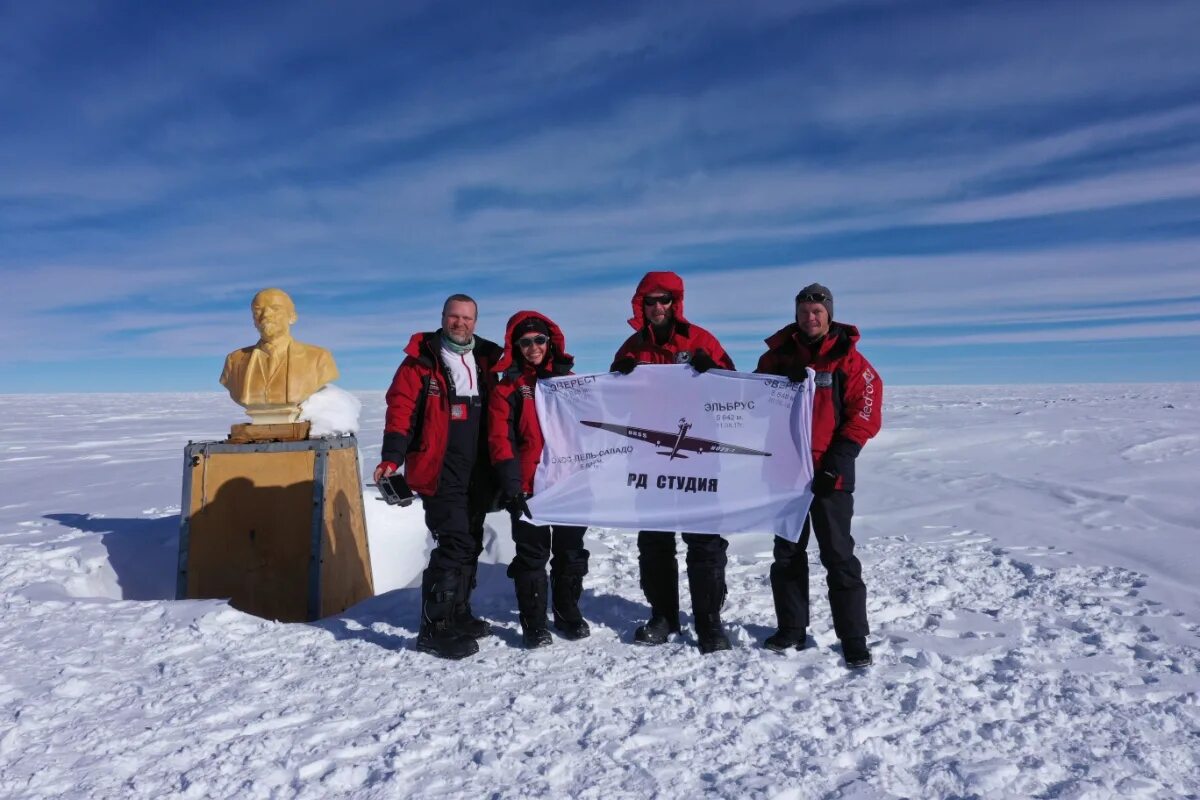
(1032, 557)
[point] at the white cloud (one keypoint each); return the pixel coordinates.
(1173, 182)
(1107, 333)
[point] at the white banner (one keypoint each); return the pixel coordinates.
(667, 448)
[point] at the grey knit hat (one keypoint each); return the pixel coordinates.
(816, 293)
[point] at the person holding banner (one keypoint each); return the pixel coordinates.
(663, 335)
(534, 348)
(436, 427)
(847, 411)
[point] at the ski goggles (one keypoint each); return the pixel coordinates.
(529, 341)
(664, 300)
(813, 297)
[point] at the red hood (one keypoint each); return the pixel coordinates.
(657, 282)
(557, 340)
(839, 332)
(413, 348)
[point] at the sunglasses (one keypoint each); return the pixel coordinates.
(813, 297)
(657, 300)
(530, 341)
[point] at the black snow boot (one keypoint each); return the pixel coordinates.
(531, 605)
(660, 583)
(855, 652)
(710, 635)
(657, 629)
(786, 639)
(464, 619)
(707, 585)
(438, 636)
(565, 595)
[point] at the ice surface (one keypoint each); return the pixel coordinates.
(1031, 556)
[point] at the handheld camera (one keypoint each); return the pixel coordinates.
(395, 490)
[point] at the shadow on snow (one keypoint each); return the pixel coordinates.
(144, 554)
(143, 551)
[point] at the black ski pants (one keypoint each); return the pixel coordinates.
(537, 543)
(457, 527)
(656, 549)
(455, 513)
(659, 572)
(829, 519)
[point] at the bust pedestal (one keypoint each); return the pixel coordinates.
(244, 432)
(277, 527)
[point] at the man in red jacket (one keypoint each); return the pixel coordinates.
(664, 336)
(436, 428)
(847, 410)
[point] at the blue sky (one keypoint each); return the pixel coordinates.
(996, 192)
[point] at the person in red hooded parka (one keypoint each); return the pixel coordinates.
(664, 336)
(847, 409)
(534, 348)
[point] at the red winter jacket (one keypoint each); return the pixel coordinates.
(685, 339)
(417, 424)
(514, 435)
(848, 406)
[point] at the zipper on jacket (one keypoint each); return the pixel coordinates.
(470, 377)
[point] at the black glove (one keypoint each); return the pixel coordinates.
(837, 464)
(824, 482)
(797, 374)
(624, 364)
(518, 505)
(702, 362)
(839, 459)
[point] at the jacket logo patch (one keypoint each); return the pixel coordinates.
(683, 358)
(527, 392)
(435, 388)
(868, 395)
(824, 380)
(458, 411)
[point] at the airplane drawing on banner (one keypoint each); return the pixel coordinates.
(675, 440)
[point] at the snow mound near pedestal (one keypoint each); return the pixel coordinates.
(400, 543)
(332, 411)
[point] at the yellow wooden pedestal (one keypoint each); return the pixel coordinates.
(278, 527)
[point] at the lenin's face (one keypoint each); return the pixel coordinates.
(273, 314)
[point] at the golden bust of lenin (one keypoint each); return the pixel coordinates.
(272, 378)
